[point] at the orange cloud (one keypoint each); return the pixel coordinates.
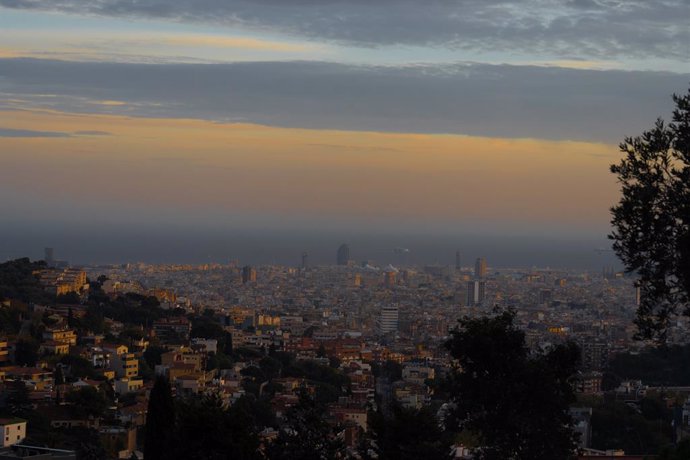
(192, 164)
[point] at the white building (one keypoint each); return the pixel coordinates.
(388, 321)
(14, 431)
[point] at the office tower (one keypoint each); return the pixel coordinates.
(457, 260)
(305, 260)
(476, 291)
(388, 321)
(390, 278)
(49, 257)
(248, 274)
(343, 254)
(480, 269)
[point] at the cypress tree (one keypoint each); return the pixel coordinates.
(160, 421)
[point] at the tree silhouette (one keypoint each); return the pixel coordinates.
(160, 421)
(652, 220)
(406, 433)
(515, 404)
(306, 435)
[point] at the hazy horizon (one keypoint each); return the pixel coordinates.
(93, 246)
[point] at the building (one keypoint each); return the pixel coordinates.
(66, 336)
(480, 268)
(125, 364)
(388, 321)
(343, 256)
(63, 281)
(34, 377)
(305, 260)
(545, 296)
(49, 256)
(458, 265)
(248, 274)
(118, 441)
(4, 352)
(173, 330)
(13, 431)
(476, 292)
(128, 385)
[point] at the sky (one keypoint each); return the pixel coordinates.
(200, 130)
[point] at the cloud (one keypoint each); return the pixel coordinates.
(231, 42)
(471, 99)
(8, 132)
(92, 133)
(576, 28)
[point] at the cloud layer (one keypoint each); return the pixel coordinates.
(479, 100)
(571, 28)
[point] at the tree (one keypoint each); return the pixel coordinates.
(208, 430)
(306, 435)
(87, 402)
(160, 421)
(406, 433)
(26, 352)
(652, 220)
(513, 402)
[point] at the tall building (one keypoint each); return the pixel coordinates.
(480, 269)
(388, 321)
(476, 292)
(248, 274)
(458, 265)
(305, 260)
(49, 256)
(343, 254)
(545, 296)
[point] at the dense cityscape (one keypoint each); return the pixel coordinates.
(84, 345)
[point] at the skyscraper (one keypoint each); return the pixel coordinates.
(476, 292)
(49, 256)
(480, 269)
(343, 254)
(305, 260)
(458, 266)
(248, 274)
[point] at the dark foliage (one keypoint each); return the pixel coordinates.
(637, 430)
(515, 403)
(87, 402)
(661, 366)
(17, 281)
(26, 352)
(160, 421)
(679, 452)
(208, 430)
(306, 435)
(652, 220)
(407, 433)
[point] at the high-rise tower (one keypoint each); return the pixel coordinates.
(480, 269)
(49, 256)
(248, 274)
(476, 292)
(458, 265)
(343, 254)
